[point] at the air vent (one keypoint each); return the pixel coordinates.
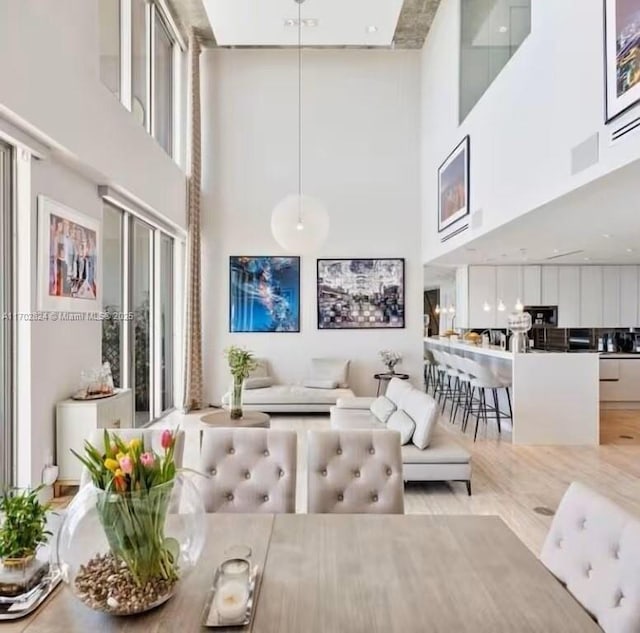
(454, 233)
(586, 154)
(560, 255)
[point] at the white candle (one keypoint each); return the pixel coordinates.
(231, 600)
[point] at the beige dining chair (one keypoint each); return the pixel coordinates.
(355, 471)
(593, 548)
(248, 470)
(150, 440)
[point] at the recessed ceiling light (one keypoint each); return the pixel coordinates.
(372, 29)
(587, 259)
(290, 22)
(629, 250)
(503, 29)
(606, 235)
(310, 22)
(556, 250)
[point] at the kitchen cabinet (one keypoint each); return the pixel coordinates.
(611, 299)
(508, 291)
(462, 297)
(629, 296)
(550, 286)
(482, 290)
(619, 379)
(532, 286)
(591, 296)
(568, 296)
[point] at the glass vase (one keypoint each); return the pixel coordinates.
(235, 405)
(125, 553)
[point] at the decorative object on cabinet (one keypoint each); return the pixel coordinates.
(622, 56)
(75, 422)
(264, 294)
(360, 293)
(453, 186)
(68, 259)
(95, 383)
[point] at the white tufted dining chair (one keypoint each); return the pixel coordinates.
(593, 547)
(150, 440)
(249, 470)
(355, 471)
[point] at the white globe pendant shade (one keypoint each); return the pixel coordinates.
(300, 224)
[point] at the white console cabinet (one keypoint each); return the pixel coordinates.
(75, 422)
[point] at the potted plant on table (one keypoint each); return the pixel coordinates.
(151, 520)
(23, 529)
(241, 364)
(390, 359)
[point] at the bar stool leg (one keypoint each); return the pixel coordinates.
(496, 404)
(468, 409)
(509, 401)
(480, 412)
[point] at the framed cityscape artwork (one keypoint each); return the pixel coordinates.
(453, 186)
(68, 259)
(360, 294)
(264, 294)
(622, 56)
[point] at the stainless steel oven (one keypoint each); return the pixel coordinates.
(543, 316)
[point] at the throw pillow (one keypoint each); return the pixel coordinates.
(330, 369)
(382, 408)
(320, 384)
(258, 382)
(261, 369)
(423, 410)
(397, 390)
(401, 422)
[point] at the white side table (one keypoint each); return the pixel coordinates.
(75, 422)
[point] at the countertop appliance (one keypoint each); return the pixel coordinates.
(519, 324)
(543, 316)
(580, 341)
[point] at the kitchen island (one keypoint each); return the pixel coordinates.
(555, 396)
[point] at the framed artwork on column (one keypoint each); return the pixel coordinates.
(622, 56)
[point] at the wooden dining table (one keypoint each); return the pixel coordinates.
(357, 573)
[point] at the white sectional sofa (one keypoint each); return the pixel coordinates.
(428, 452)
(326, 383)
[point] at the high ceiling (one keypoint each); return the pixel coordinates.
(334, 23)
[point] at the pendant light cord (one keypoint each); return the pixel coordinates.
(299, 112)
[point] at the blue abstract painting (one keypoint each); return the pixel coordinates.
(264, 294)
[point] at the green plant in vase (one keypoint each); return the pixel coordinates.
(135, 492)
(241, 364)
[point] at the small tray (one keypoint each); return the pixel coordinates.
(27, 603)
(94, 396)
(211, 618)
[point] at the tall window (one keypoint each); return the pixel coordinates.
(142, 74)
(138, 335)
(491, 31)
(6, 324)
(110, 44)
(162, 83)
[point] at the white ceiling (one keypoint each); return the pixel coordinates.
(599, 223)
(339, 22)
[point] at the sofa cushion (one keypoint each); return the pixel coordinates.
(357, 402)
(401, 422)
(354, 419)
(291, 394)
(320, 384)
(382, 408)
(258, 382)
(397, 390)
(330, 369)
(261, 370)
(423, 410)
(442, 450)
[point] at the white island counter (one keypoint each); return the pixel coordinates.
(555, 396)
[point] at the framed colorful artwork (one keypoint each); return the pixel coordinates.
(453, 186)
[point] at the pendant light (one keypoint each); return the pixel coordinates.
(300, 223)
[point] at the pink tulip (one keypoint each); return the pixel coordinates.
(126, 464)
(147, 459)
(167, 439)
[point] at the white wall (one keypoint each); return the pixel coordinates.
(49, 65)
(548, 99)
(361, 151)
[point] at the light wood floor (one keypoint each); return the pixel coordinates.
(508, 481)
(620, 427)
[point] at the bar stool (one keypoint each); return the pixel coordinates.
(482, 379)
(453, 380)
(464, 387)
(440, 389)
(430, 372)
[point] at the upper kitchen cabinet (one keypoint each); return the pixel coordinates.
(611, 303)
(568, 296)
(550, 286)
(482, 295)
(591, 296)
(629, 296)
(508, 292)
(532, 286)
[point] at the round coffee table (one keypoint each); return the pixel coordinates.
(386, 377)
(248, 419)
